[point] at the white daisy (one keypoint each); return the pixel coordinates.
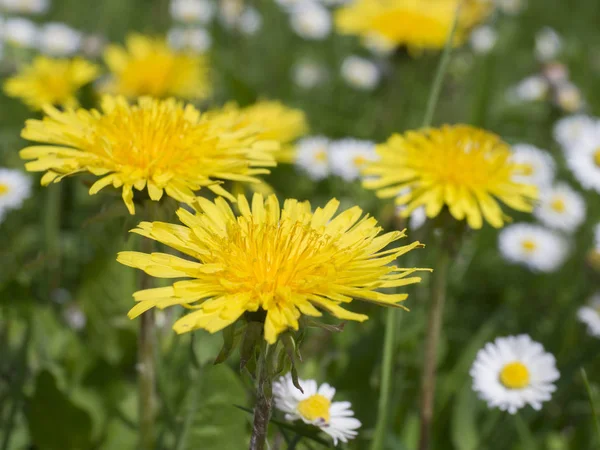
(15, 188)
(533, 88)
(310, 20)
(483, 39)
(561, 207)
(193, 11)
(25, 6)
(537, 164)
(308, 74)
(583, 159)
(196, 39)
(569, 131)
(590, 315)
(75, 317)
(360, 73)
(548, 44)
(534, 246)
(59, 39)
(250, 21)
(569, 98)
(230, 12)
(315, 407)
(312, 156)
(349, 156)
(511, 7)
(597, 237)
(20, 32)
(514, 371)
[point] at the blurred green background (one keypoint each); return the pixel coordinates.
(67, 385)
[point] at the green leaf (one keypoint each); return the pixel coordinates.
(464, 432)
(213, 422)
(55, 422)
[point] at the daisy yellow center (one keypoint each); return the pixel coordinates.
(529, 245)
(597, 157)
(359, 161)
(315, 407)
(558, 204)
(527, 170)
(3, 189)
(515, 375)
(321, 156)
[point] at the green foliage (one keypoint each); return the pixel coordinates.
(74, 387)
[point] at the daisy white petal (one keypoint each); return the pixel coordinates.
(538, 166)
(512, 372)
(316, 407)
(349, 156)
(590, 316)
(312, 156)
(561, 207)
(534, 246)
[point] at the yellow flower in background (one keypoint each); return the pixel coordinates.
(461, 167)
(48, 81)
(160, 145)
(149, 67)
(275, 120)
(418, 24)
(284, 262)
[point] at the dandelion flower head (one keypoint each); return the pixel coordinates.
(160, 145)
(465, 169)
(147, 66)
(51, 81)
(418, 24)
(280, 262)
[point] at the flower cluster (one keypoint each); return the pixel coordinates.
(320, 157)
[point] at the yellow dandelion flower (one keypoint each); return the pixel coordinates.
(418, 24)
(461, 167)
(284, 263)
(149, 67)
(51, 81)
(276, 121)
(159, 144)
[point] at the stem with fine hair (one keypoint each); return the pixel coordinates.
(440, 73)
(264, 398)
(387, 367)
(147, 403)
(434, 327)
(591, 400)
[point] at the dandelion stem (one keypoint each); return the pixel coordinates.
(262, 409)
(147, 403)
(147, 381)
(588, 389)
(387, 368)
(52, 221)
(434, 326)
(440, 73)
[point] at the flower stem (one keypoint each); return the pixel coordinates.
(147, 381)
(52, 220)
(591, 400)
(147, 403)
(440, 73)
(387, 368)
(262, 409)
(434, 326)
